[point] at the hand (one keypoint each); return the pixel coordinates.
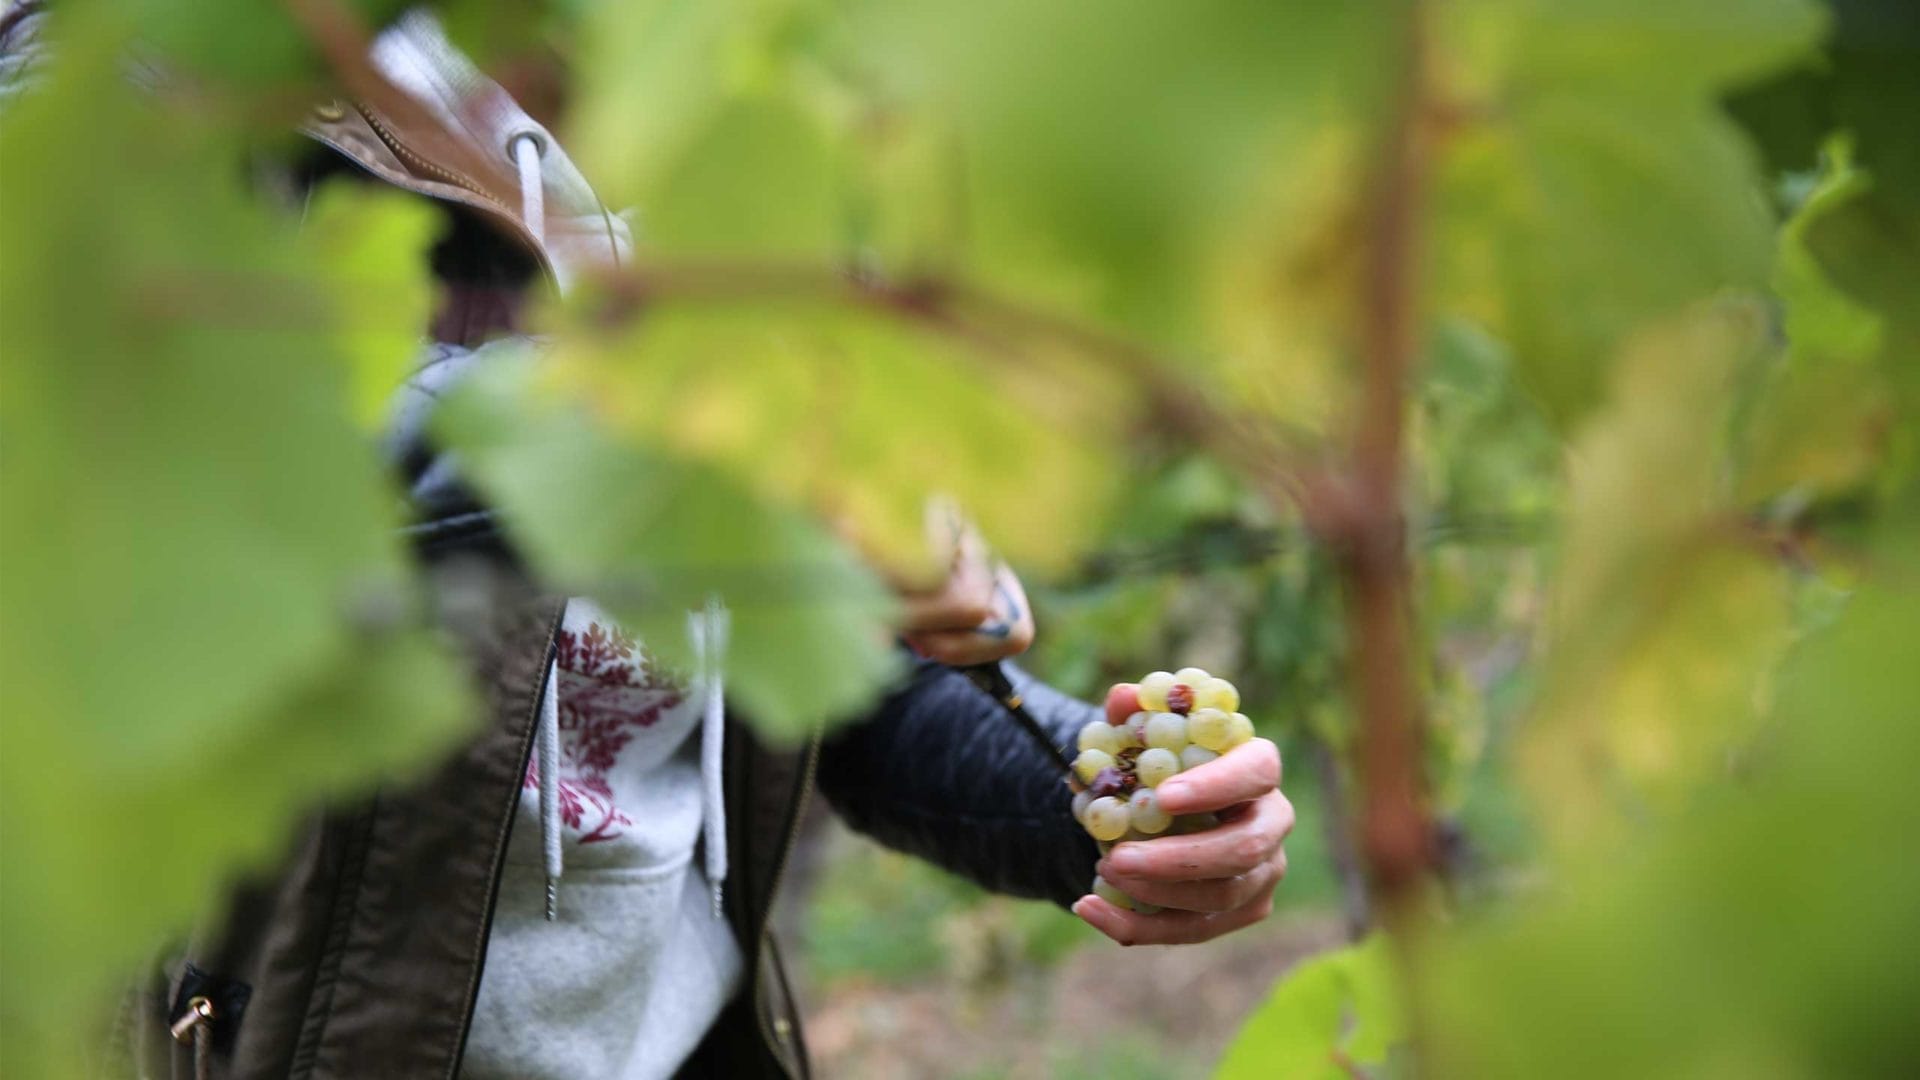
(979, 614)
(1210, 883)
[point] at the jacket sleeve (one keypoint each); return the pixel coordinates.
(941, 772)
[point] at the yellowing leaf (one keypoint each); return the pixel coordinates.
(861, 418)
(1287, 299)
(1593, 184)
(654, 536)
(1666, 611)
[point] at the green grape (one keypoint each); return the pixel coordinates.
(1208, 728)
(1192, 676)
(1153, 691)
(1107, 818)
(1148, 817)
(1167, 731)
(1156, 765)
(1239, 730)
(1100, 735)
(1127, 735)
(1080, 801)
(1216, 694)
(1089, 763)
(1105, 891)
(1137, 727)
(1195, 756)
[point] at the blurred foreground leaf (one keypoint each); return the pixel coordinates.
(205, 601)
(1594, 183)
(362, 239)
(861, 418)
(654, 537)
(1768, 934)
(1667, 608)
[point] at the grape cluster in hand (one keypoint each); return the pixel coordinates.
(1188, 718)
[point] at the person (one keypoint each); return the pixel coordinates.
(582, 889)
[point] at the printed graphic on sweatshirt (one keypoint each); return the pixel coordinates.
(609, 693)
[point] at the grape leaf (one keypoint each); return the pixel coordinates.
(245, 44)
(1596, 185)
(193, 530)
(715, 200)
(1331, 1013)
(1820, 424)
(861, 419)
(654, 537)
(1665, 611)
(1104, 152)
(651, 75)
(1764, 934)
(359, 236)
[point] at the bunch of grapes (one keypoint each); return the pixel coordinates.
(1187, 719)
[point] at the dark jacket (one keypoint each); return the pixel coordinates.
(361, 957)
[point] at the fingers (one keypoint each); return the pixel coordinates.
(964, 600)
(958, 648)
(1227, 850)
(1216, 895)
(1006, 631)
(1123, 700)
(1242, 774)
(1168, 927)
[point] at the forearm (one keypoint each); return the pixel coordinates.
(939, 771)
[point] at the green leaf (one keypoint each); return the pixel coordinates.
(861, 418)
(654, 537)
(1820, 424)
(652, 74)
(1596, 185)
(200, 553)
(245, 44)
(716, 199)
(1107, 151)
(1869, 247)
(1336, 1010)
(1767, 934)
(1665, 612)
(361, 238)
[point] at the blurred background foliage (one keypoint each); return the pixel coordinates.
(1103, 272)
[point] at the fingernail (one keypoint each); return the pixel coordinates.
(1080, 907)
(1123, 862)
(1171, 787)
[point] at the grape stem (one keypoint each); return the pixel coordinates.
(992, 680)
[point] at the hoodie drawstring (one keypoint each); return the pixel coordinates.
(526, 148)
(709, 632)
(548, 751)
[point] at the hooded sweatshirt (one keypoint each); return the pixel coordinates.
(609, 956)
(636, 962)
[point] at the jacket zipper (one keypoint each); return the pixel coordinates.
(506, 827)
(779, 873)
